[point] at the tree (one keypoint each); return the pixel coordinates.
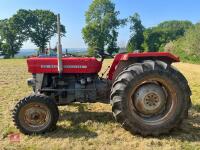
(11, 36)
(137, 37)
(191, 41)
(101, 26)
(5, 50)
(187, 47)
(153, 39)
(112, 45)
(1, 48)
(23, 20)
(39, 25)
(157, 37)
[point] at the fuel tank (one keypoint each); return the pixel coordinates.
(70, 65)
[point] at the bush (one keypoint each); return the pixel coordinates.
(185, 57)
(179, 48)
(188, 46)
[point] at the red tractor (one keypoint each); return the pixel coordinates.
(148, 95)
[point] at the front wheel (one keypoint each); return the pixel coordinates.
(150, 98)
(35, 114)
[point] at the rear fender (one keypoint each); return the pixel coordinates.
(123, 60)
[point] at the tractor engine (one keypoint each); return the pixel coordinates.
(69, 88)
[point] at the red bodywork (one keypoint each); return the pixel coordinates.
(164, 56)
(83, 65)
(70, 65)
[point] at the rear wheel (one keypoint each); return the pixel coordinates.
(150, 98)
(35, 114)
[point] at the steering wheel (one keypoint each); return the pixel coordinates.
(101, 54)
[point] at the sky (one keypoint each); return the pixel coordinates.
(72, 12)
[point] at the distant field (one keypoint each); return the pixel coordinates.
(90, 126)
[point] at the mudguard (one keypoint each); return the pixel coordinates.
(138, 57)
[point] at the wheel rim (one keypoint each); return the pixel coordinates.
(35, 117)
(165, 107)
(149, 99)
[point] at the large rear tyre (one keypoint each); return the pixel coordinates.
(35, 114)
(150, 98)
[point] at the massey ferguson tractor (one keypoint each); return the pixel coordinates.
(148, 95)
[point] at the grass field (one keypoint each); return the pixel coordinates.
(90, 126)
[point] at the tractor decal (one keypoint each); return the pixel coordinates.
(65, 66)
(49, 66)
(74, 66)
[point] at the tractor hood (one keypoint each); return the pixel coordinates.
(70, 65)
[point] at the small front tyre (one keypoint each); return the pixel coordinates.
(35, 114)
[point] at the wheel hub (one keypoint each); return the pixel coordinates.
(149, 99)
(36, 116)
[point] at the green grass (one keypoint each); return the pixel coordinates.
(90, 126)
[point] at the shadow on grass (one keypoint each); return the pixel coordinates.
(188, 131)
(82, 117)
(71, 131)
(196, 108)
(77, 128)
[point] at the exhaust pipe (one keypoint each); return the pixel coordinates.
(59, 46)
